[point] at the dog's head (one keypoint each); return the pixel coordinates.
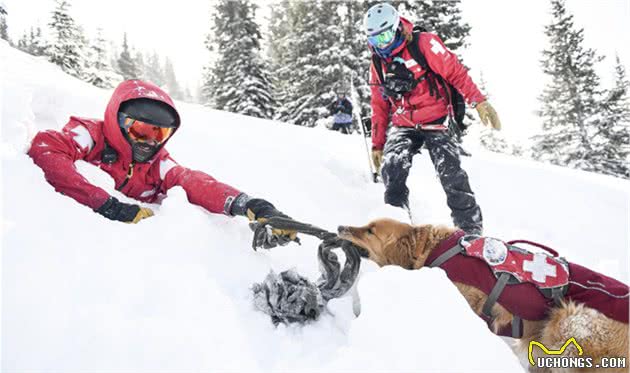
(387, 241)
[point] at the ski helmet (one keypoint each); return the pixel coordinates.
(381, 23)
(146, 124)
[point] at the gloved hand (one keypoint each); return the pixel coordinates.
(377, 159)
(488, 115)
(259, 210)
(113, 209)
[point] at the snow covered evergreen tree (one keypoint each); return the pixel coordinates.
(569, 102)
(612, 140)
(311, 67)
(99, 72)
(571, 110)
(238, 80)
(356, 57)
(171, 85)
(443, 18)
(154, 71)
(141, 65)
(4, 28)
(37, 45)
(126, 63)
(279, 30)
(67, 49)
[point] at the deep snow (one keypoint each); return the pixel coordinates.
(81, 293)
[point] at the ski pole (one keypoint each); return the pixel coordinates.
(357, 114)
(367, 150)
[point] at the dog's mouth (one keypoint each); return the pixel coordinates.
(345, 233)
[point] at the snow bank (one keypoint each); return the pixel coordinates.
(417, 321)
(82, 293)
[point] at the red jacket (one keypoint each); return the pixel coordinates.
(84, 139)
(419, 106)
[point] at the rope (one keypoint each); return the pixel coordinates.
(289, 297)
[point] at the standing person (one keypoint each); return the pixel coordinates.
(341, 108)
(129, 146)
(414, 81)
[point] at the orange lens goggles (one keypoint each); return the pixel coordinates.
(145, 132)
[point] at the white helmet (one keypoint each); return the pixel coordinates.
(381, 23)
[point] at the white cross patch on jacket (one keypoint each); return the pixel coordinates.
(539, 268)
(436, 47)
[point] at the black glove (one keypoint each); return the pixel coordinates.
(113, 209)
(260, 211)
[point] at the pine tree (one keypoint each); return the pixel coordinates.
(4, 28)
(312, 66)
(279, 31)
(141, 65)
(154, 71)
(570, 102)
(126, 63)
(238, 80)
(23, 43)
(171, 84)
(612, 141)
(37, 42)
(99, 72)
(67, 50)
(443, 18)
(356, 58)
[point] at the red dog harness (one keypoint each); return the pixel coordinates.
(527, 284)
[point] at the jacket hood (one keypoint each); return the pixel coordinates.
(407, 30)
(130, 90)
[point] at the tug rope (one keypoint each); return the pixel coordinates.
(289, 297)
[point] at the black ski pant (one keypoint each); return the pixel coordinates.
(342, 127)
(402, 144)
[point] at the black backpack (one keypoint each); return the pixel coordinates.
(456, 121)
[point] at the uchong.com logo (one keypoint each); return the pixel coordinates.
(554, 358)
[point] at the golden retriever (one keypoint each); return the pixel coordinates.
(389, 242)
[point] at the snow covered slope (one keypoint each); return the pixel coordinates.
(81, 293)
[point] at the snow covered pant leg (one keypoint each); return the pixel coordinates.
(341, 127)
(402, 144)
(460, 198)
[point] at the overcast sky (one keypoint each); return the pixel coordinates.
(506, 39)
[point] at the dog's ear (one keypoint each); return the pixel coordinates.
(422, 234)
(402, 251)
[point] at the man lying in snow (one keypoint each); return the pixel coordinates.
(129, 145)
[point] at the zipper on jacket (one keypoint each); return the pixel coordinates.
(129, 175)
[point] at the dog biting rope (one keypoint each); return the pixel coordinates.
(289, 297)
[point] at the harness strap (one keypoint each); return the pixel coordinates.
(448, 254)
(494, 294)
(557, 294)
(516, 327)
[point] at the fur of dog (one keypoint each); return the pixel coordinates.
(390, 242)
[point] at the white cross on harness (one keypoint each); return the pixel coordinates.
(539, 268)
(436, 47)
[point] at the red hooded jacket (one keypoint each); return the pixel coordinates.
(418, 106)
(84, 139)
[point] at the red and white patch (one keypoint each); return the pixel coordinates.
(540, 269)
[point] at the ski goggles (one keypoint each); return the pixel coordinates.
(382, 39)
(141, 131)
